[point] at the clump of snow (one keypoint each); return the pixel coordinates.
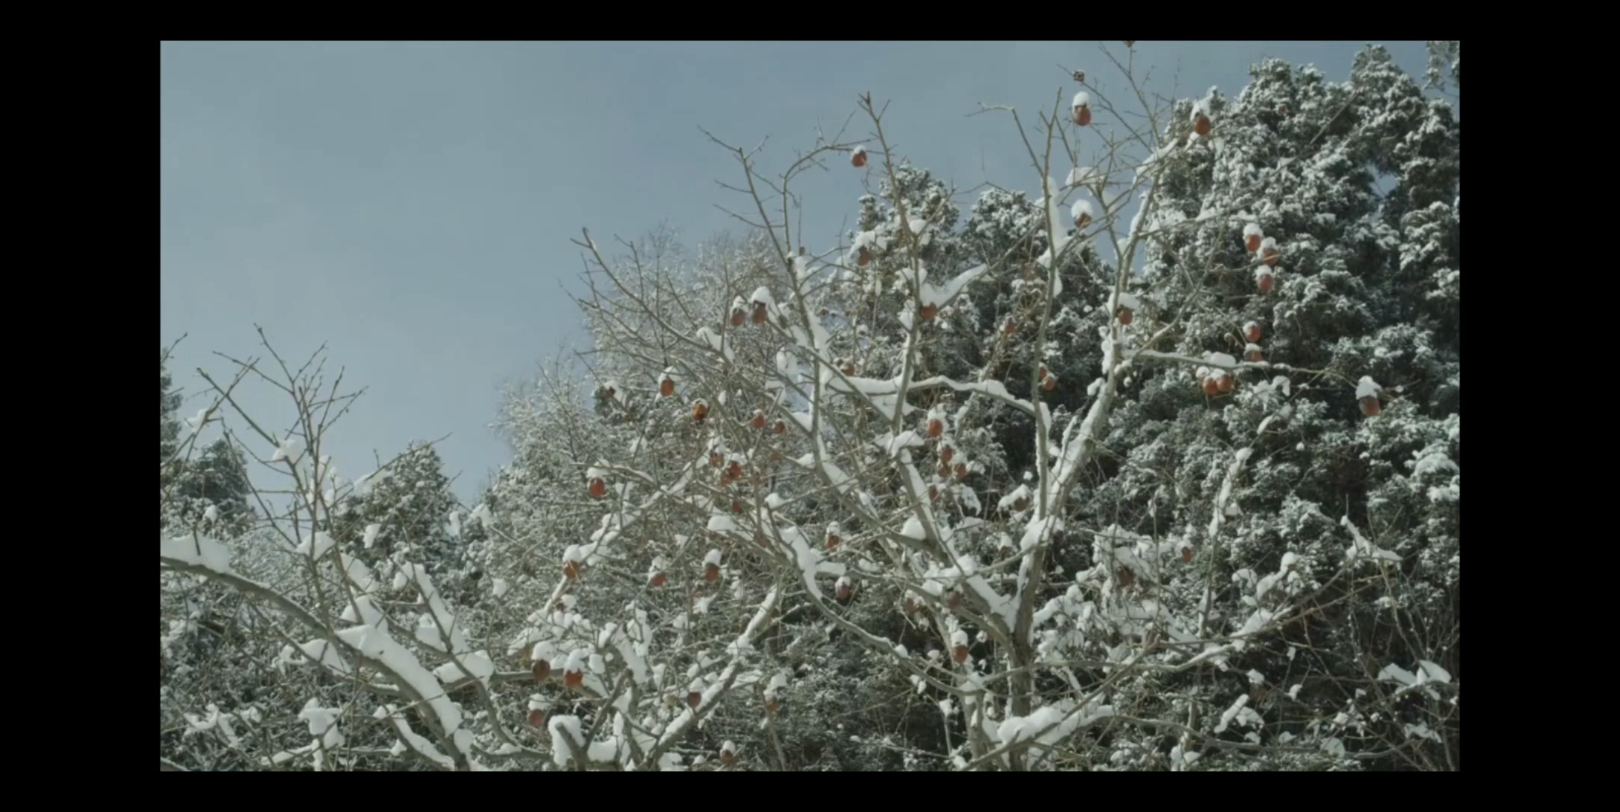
(1241, 713)
(1432, 672)
(1271, 392)
(1361, 547)
(1048, 725)
(1427, 672)
(565, 731)
(543, 650)
(289, 450)
(913, 529)
(1081, 208)
(1253, 230)
(478, 662)
(1081, 175)
(199, 550)
(1367, 388)
(197, 420)
(715, 343)
(1008, 502)
(323, 723)
(941, 295)
(316, 544)
(1082, 99)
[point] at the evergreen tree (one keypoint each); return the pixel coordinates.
(210, 638)
(411, 504)
(216, 479)
(1367, 285)
(168, 405)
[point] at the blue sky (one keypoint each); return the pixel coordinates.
(411, 204)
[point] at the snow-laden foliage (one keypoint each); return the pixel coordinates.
(1156, 468)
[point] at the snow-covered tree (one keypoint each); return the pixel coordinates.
(208, 635)
(169, 404)
(213, 490)
(406, 506)
(354, 659)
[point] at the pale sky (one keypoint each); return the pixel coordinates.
(411, 204)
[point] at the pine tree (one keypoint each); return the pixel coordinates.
(168, 405)
(411, 503)
(209, 635)
(216, 479)
(1367, 285)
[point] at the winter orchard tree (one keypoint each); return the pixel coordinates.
(1187, 555)
(1156, 468)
